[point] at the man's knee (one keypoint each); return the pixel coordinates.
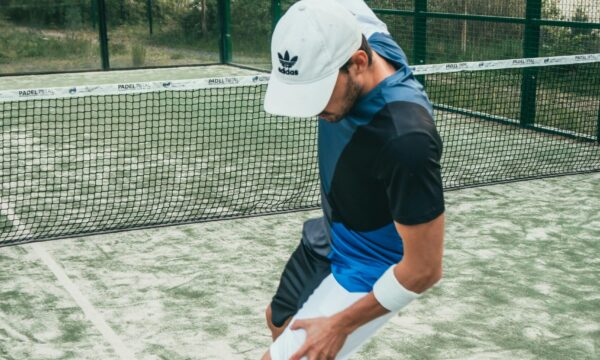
(275, 331)
(269, 315)
(269, 318)
(266, 356)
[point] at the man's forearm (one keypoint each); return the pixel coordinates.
(359, 313)
(368, 308)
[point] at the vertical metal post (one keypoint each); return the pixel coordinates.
(149, 14)
(225, 43)
(103, 34)
(275, 13)
(420, 36)
(531, 49)
(598, 126)
(465, 29)
(94, 13)
(82, 11)
(122, 11)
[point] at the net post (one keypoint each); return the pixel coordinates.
(149, 15)
(275, 13)
(103, 32)
(420, 36)
(225, 43)
(531, 49)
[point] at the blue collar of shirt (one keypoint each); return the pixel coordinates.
(373, 101)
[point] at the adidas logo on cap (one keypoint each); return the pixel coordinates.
(287, 64)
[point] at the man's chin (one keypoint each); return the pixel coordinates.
(332, 118)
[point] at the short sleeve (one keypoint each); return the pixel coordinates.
(409, 167)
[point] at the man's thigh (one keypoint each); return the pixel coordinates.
(329, 298)
(302, 274)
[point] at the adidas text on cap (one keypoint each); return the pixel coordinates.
(311, 42)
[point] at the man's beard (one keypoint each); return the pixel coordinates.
(351, 95)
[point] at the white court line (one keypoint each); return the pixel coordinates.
(88, 309)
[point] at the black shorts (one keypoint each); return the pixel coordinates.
(304, 271)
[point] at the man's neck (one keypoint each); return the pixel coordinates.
(379, 71)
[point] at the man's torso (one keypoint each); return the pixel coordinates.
(357, 232)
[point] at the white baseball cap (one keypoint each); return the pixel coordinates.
(311, 42)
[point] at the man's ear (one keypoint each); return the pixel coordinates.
(361, 60)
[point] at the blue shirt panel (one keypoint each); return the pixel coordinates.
(358, 259)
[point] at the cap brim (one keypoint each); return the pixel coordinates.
(298, 100)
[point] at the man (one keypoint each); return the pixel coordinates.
(380, 242)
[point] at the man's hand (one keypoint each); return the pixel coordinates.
(324, 338)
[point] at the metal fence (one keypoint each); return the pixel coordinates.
(116, 34)
(472, 30)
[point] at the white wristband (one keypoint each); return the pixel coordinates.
(390, 293)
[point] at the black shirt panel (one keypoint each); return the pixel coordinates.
(390, 170)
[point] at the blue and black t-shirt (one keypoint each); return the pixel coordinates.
(380, 164)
